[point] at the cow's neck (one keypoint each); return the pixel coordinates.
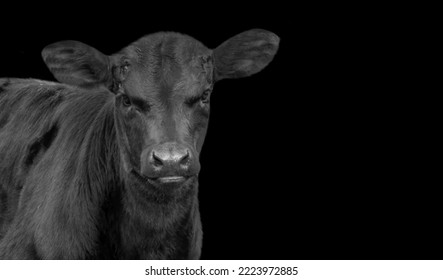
(130, 235)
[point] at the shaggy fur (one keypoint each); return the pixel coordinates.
(61, 207)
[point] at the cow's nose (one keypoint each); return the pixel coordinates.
(169, 159)
(175, 158)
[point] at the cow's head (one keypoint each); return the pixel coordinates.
(162, 85)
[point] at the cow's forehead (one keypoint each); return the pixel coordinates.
(175, 45)
(171, 61)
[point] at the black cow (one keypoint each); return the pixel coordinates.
(104, 165)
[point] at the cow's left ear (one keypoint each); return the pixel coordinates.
(75, 63)
(245, 54)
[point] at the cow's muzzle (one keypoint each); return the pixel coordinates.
(169, 163)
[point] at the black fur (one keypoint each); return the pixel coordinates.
(41, 145)
(93, 210)
(77, 180)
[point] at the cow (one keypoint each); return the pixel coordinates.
(104, 163)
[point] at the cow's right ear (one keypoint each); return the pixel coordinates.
(75, 63)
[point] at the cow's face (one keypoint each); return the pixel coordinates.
(162, 85)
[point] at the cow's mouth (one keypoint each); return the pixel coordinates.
(171, 179)
(161, 181)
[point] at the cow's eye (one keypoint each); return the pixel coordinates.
(204, 98)
(126, 101)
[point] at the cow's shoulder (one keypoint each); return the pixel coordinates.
(13, 83)
(17, 94)
(14, 88)
(27, 109)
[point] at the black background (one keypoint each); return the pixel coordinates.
(309, 159)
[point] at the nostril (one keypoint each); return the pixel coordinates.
(185, 159)
(156, 161)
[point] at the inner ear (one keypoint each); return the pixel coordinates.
(245, 54)
(75, 63)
